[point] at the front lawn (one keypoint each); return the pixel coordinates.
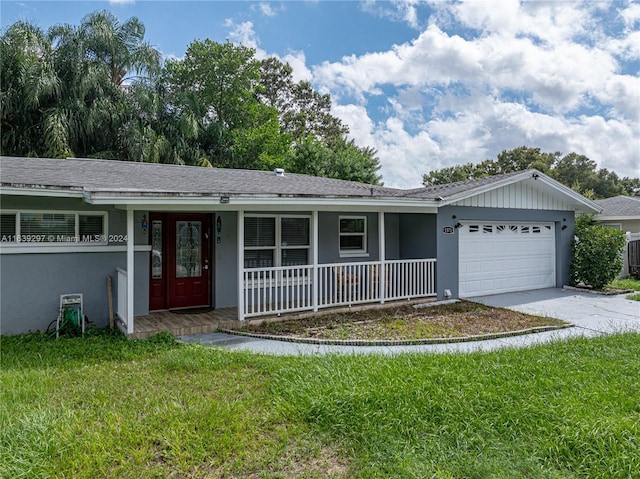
(461, 319)
(629, 283)
(101, 406)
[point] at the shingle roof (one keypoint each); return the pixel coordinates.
(623, 206)
(125, 176)
(443, 191)
(109, 179)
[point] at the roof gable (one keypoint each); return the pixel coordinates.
(528, 189)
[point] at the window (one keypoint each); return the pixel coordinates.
(276, 241)
(294, 241)
(353, 235)
(156, 249)
(7, 227)
(617, 226)
(53, 227)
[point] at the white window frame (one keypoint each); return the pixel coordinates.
(76, 239)
(351, 253)
(278, 247)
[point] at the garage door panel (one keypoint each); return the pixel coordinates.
(498, 257)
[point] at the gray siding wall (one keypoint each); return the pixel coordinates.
(225, 278)
(328, 237)
(417, 236)
(447, 244)
(31, 285)
(392, 235)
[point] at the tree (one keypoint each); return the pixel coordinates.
(573, 170)
(62, 91)
(29, 84)
(99, 90)
(220, 85)
(452, 174)
(120, 47)
(597, 253)
(302, 111)
(343, 160)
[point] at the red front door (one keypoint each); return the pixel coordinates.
(180, 261)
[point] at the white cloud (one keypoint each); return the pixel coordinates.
(298, 63)
(266, 9)
(397, 10)
(244, 34)
(541, 74)
(121, 2)
(631, 15)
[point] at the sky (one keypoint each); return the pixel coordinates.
(428, 84)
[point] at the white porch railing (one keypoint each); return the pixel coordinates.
(121, 307)
(290, 288)
(277, 290)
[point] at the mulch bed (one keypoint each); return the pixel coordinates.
(404, 322)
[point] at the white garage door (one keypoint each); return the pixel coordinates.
(502, 257)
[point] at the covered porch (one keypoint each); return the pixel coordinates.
(391, 265)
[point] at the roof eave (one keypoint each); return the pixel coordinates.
(588, 206)
(42, 190)
(244, 200)
(617, 218)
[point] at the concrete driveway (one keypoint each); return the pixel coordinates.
(592, 315)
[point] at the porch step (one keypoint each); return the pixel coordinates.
(181, 324)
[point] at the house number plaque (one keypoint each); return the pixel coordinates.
(448, 230)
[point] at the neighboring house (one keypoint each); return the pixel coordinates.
(265, 243)
(621, 212)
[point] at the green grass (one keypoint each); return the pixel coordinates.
(101, 406)
(628, 283)
(634, 296)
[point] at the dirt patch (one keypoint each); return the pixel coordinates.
(461, 319)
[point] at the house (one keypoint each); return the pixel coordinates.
(623, 213)
(620, 212)
(264, 243)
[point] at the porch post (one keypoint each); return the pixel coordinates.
(130, 271)
(241, 311)
(382, 247)
(314, 248)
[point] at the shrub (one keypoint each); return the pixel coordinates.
(597, 253)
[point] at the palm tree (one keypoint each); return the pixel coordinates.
(29, 85)
(120, 47)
